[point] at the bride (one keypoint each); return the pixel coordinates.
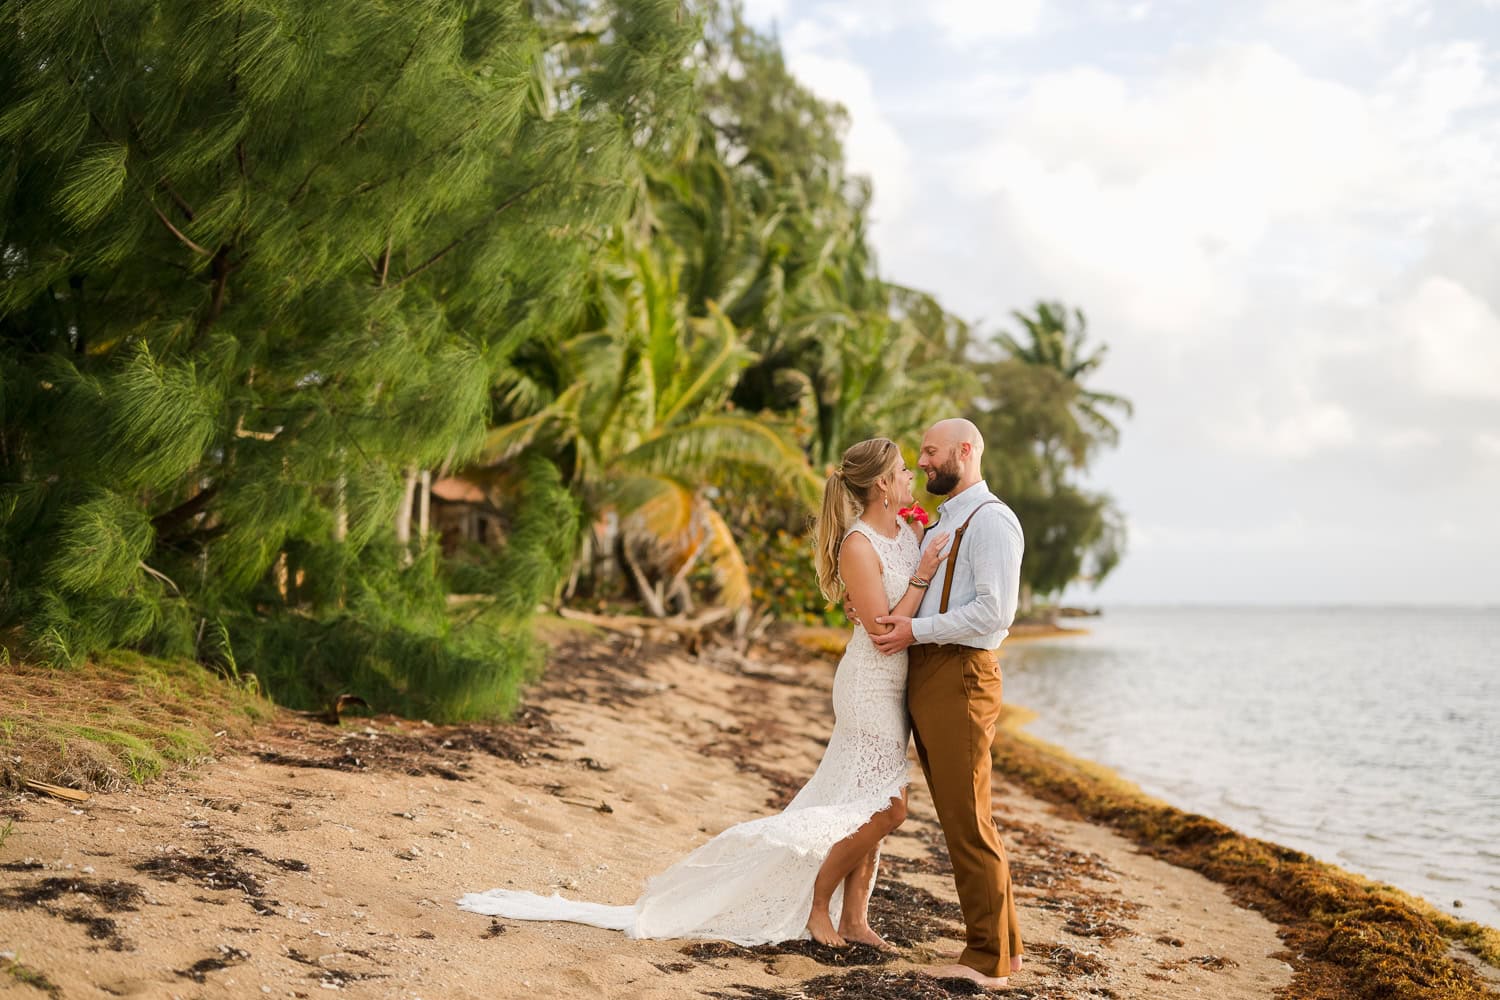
(810, 869)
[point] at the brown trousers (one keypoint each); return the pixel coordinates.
(953, 694)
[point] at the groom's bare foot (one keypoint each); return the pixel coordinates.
(954, 956)
(821, 929)
(866, 935)
(964, 972)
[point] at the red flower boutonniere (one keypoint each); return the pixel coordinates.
(915, 513)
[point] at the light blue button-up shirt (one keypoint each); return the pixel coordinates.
(986, 581)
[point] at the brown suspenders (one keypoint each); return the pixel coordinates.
(958, 536)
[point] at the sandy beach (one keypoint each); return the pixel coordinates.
(310, 858)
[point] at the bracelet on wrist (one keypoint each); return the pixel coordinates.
(919, 583)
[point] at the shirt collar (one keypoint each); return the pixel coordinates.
(960, 502)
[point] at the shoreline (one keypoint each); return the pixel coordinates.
(1324, 853)
(1043, 630)
(1393, 942)
(307, 856)
(1260, 821)
(1097, 793)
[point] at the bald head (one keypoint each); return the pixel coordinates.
(956, 431)
(951, 450)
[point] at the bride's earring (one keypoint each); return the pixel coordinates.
(887, 501)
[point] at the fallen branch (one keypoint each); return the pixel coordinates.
(641, 625)
(57, 791)
(600, 806)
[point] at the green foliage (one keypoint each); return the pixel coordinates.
(264, 268)
(528, 568)
(785, 584)
(95, 182)
(256, 264)
(1055, 342)
(773, 231)
(393, 637)
(637, 406)
(1042, 424)
(1070, 534)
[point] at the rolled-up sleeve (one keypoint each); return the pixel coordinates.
(992, 555)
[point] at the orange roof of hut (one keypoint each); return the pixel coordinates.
(456, 490)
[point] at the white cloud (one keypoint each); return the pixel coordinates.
(1280, 533)
(1290, 251)
(1441, 81)
(1406, 439)
(957, 23)
(1367, 20)
(1158, 196)
(765, 11)
(873, 145)
(1452, 340)
(1296, 427)
(965, 22)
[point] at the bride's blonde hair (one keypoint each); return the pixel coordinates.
(845, 496)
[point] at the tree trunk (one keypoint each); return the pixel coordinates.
(424, 508)
(403, 515)
(654, 604)
(340, 510)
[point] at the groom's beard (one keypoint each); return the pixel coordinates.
(942, 480)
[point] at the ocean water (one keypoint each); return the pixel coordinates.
(1368, 737)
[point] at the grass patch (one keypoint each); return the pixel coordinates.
(27, 976)
(1348, 937)
(119, 719)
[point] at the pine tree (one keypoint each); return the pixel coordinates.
(259, 260)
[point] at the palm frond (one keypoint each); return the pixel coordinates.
(698, 448)
(504, 442)
(666, 512)
(725, 359)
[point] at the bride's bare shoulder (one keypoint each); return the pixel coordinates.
(856, 542)
(857, 556)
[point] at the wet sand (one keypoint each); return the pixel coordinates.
(310, 859)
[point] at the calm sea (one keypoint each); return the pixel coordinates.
(1367, 737)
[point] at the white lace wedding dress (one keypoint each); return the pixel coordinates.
(753, 883)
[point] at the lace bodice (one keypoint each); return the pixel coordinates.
(899, 557)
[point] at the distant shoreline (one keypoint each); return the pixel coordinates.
(1023, 631)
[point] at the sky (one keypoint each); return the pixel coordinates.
(1281, 216)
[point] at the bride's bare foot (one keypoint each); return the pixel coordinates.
(821, 929)
(866, 935)
(964, 972)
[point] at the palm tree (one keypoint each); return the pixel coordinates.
(1042, 424)
(844, 352)
(639, 405)
(1055, 341)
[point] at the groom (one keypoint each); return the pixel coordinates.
(953, 689)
